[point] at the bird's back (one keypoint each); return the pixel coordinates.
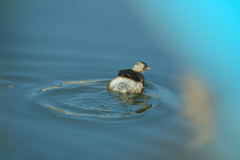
(128, 73)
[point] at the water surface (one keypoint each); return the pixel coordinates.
(56, 60)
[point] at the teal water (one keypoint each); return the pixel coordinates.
(56, 60)
(92, 99)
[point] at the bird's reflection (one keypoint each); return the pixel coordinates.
(133, 99)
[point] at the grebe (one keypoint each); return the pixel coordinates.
(129, 80)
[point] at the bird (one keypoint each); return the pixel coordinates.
(129, 80)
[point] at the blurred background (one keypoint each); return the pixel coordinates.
(193, 50)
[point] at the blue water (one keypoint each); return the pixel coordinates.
(47, 49)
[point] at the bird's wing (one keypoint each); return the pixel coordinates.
(128, 73)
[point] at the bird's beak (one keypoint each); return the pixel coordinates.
(148, 68)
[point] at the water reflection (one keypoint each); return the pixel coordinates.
(140, 100)
(92, 99)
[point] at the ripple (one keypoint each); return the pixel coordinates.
(91, 98)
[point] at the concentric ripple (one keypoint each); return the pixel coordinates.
(92, 98)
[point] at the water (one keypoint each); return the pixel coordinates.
(92, 99)
(56, 61)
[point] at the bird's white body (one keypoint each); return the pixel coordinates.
(129, 81)
(125, 85)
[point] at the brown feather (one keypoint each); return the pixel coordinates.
(128, 73)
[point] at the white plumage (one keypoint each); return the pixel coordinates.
(129, 81)
(125, 85)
